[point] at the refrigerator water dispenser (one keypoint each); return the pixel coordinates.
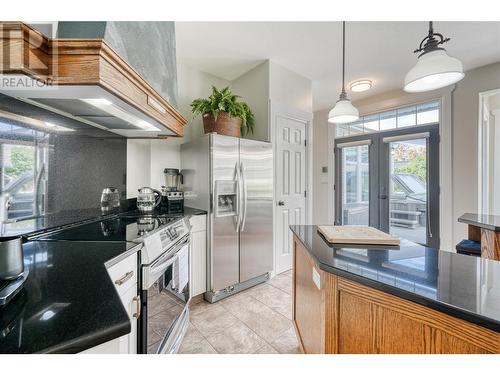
(226, 198)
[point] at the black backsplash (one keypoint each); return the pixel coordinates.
(46, 172)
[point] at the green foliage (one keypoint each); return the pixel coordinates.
(23, 160)
(416, 166)
(225, 101)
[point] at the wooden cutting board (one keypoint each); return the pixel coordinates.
(356, 234)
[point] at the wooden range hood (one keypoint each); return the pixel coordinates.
(84, 79)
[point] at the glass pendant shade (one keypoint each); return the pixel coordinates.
(343, 112)
(432, 71)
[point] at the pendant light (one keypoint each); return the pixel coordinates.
(434, 68)
(344, 111)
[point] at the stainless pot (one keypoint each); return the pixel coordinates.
(11, 258)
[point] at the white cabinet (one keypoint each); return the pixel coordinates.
(109, 347)
(124, 277)
(132, 303)
(198, 255)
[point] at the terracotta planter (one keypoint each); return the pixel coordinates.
(225, 124)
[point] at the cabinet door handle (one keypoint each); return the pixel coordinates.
(137, 300)
(125, 278)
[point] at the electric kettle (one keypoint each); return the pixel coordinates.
(146, 199)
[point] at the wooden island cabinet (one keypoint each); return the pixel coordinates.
(333, 314)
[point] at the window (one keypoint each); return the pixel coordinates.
(371, 123)
(407, 116)
(23, 158)
(388, 120)
(421, 114)
(428, 113)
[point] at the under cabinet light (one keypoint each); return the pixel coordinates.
(114, 110)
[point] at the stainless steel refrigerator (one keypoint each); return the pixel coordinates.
(232, 179)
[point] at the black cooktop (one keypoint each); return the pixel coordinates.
(121, 228)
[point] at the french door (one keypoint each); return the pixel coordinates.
(390, 180)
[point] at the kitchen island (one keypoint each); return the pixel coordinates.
(406, 299)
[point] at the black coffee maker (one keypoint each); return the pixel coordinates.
(172, 198)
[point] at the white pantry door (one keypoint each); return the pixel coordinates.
(290, 185)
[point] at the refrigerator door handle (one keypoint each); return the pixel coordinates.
(237, 217)
(244, 183)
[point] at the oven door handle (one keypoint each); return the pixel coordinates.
(160, 265)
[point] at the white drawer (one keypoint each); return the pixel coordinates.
(198, 223)
(124, 273)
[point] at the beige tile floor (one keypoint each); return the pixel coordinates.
(257, 320)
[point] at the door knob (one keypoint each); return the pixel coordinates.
(281, 203)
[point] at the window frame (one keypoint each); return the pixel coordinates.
(378, 114)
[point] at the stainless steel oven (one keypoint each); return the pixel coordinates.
(165, 297)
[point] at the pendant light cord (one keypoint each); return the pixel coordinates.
(343, 95)
(343, 59)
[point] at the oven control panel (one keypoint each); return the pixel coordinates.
(160, 240)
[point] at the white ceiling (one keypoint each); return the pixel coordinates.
(380, 51)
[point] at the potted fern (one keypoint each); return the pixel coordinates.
(224, 113)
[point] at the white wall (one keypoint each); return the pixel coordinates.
(194, 84)
(289, 89)
(465, 140)
(138, 165)
(320, 159)
(253, 87)
(146, 159)
(164, 154)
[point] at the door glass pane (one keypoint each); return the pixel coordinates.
(355, 185)
(408, 189)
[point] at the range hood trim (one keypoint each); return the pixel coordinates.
(85, 62)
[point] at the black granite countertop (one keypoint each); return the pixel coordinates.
(68, 303)
(491, 222)
(462, 286)
(35, 225)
